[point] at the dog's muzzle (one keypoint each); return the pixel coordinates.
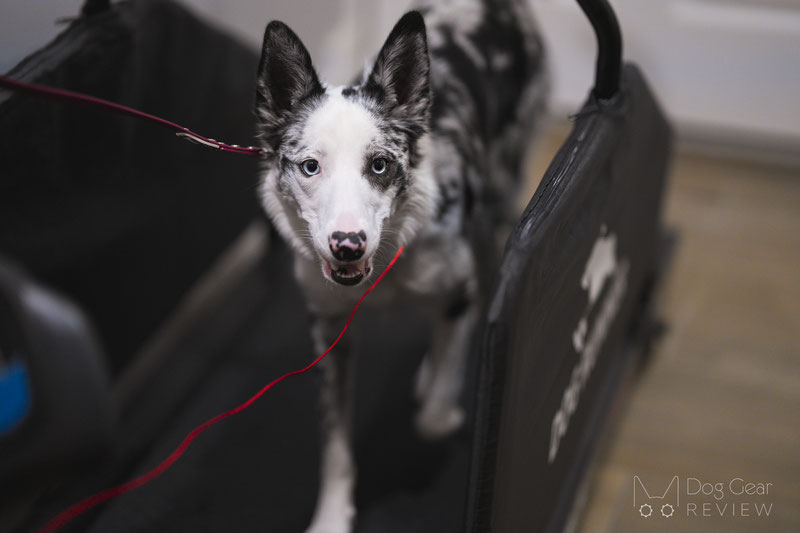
(347, 249)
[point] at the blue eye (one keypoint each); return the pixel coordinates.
(379, 165)
(310, 167)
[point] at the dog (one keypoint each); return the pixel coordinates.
(429, 143)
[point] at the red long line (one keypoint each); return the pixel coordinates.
(84, 505)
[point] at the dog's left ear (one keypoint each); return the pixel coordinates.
(401, 74)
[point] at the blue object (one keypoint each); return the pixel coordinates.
(15, 398)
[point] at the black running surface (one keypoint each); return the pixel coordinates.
(258, 470)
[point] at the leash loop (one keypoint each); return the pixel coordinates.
(63, 95)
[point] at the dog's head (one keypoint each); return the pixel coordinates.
(345, 159)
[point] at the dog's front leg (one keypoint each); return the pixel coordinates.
(335, 509)
(441, 378)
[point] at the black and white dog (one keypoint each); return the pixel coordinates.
(435, 131)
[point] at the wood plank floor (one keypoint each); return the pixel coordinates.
(721, 398)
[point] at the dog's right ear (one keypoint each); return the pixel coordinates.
(401, 74)
(285, 74)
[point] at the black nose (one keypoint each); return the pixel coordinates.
(348, 246)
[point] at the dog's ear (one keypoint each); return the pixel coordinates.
(285, 73)
(401, 74)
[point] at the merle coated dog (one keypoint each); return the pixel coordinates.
(435, 131)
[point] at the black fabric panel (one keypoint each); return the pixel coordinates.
(118, 213)
(607, 177)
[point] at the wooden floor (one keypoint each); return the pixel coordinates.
(721, 397)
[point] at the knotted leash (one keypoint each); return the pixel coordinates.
(96, 499)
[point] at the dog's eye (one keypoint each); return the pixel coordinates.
(310, 167)
(379, 165)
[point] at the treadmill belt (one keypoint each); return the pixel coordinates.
(258, 470)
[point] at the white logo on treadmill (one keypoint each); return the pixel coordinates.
(602, 266)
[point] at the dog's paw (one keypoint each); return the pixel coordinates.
(338, 524)
(329, 528)
(437, 421)
(333, 519)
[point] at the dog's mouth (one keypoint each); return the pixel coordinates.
(348, 274)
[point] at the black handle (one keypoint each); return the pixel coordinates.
(609, 47)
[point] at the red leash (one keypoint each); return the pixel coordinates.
(62, 95)
(96, 499)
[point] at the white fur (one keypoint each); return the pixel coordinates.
(340, 132)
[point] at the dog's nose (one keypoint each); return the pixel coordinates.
(348, 246)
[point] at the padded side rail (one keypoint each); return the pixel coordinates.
(568, 292)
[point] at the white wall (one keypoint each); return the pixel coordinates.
(725, 70)
(28, 24)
